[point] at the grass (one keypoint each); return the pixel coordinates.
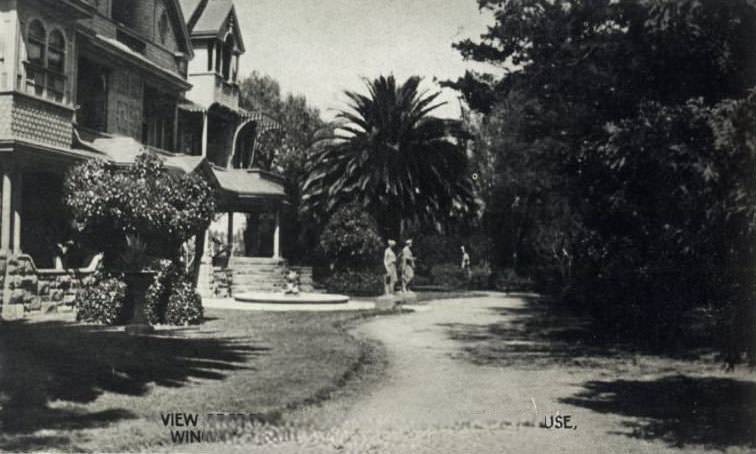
(69, 386)
(424, 296)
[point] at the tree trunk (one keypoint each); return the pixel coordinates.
(199, 248)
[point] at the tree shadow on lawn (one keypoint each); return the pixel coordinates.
(540, 333)
(678, 409)
(54, 361)
(665, 405)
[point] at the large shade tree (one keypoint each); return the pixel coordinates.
(390, 155)
(636, 112)
(287, 152)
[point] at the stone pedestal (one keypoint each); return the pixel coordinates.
(12, 311)
(205, 280)
(408, 297)
(136, 289)
(388, 302)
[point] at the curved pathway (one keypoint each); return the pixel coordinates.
(434, 399)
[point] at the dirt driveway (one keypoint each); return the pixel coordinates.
(483, 375)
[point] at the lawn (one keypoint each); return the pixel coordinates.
(70, 386)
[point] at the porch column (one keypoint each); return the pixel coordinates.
(6, 215)
(204, 134)
(277, 235)
(17, 201)
(175, 135)
(206, 256)
(230, 233)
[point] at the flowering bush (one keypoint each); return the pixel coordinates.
(162, 208)
(168, 276)
(101, 299)
(350, 239)
(184, 305)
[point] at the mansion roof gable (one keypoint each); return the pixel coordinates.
(212, 18)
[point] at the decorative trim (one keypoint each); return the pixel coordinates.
(70, 107)
(142, 63)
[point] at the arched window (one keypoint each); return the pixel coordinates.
(36, 42)
(56, 65)
(46, 61)
(164, 27)
(228, 53)
(56, 52)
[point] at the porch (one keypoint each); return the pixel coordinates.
(38, 262)
(242, 248)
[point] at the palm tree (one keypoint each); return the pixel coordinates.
(390, 155)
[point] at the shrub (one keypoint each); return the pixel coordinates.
(356, 282)
(480, 278)
(433, 250)
(145, 200)
(507, 280)
(350, 239)
(436, 249)
(453, 277)
(422, 280)
(156, 300)
(101, 300)
(449, 276)
(184, 305)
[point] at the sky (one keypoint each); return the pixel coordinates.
(319, 48)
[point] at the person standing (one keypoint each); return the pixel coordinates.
(389, 263)
(466, 264)
(408, 265)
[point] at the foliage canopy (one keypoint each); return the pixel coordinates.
(636, 122)
(392, 157)
(145, 200)
(350, 239)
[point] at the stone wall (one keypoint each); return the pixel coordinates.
(25, 289)
(57, 289)
(19, 285)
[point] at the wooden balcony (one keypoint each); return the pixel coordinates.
(210, 88)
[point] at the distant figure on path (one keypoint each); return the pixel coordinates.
(389, 262)
(466, 264)
(408, 265)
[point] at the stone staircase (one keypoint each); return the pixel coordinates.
(264, 274)
(205, 281)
